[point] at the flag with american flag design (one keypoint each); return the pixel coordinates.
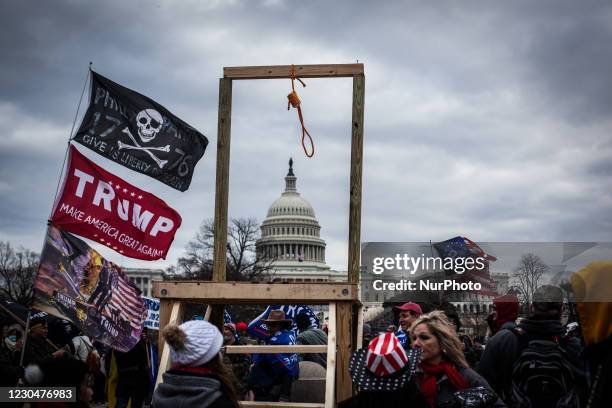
(74, 282)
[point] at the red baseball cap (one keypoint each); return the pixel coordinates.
(410, 306)
(241, 326)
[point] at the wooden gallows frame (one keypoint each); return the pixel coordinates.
(345, 317)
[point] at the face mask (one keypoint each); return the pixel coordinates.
(12, 338)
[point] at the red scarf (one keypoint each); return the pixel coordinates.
(429, 383)
(192, 370)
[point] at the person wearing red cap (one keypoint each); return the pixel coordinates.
(408, 313)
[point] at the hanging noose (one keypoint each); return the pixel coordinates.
(294, 100)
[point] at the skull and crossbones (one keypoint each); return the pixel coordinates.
(149, 122)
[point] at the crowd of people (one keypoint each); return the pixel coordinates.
(528, 358)
(537, 360)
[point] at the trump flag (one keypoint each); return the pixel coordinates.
(74, 282)
(102, 207)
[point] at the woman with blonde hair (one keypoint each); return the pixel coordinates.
(443, 376)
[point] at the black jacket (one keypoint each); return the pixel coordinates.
(502, 350)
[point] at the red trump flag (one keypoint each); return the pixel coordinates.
(102, 207)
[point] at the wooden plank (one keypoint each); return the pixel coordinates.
(302, 71)
(164, 361)
(355, 181)
(330, 375)
(207, 313)
(274, 349)
(344, 385)
(222, 181)
(165, 308)
(359, 327)
(263, 404)
(256, 293)
(216, 316)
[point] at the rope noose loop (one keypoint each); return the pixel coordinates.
(294, 100)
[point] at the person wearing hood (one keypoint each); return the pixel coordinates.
(592, 288)
(503, 349)
(504, 314)
(311, 335)
(10, 346)
(198, 377)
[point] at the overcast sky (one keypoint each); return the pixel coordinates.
(491, 120)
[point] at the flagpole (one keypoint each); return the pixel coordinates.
(25, 338)
(27, 329)
(76, 115)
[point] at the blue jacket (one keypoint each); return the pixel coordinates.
(404, 339)
(284, 363)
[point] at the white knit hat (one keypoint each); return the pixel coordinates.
(201, 343)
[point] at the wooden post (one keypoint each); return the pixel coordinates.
(164, 361)
(222, 192)
(222, 182)
(330, 376)
(165, 307)
(355, 186)
(359, 339)
(344, 385)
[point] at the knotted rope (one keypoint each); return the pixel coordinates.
(294, 100)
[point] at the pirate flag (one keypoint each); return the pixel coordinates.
(140, 134)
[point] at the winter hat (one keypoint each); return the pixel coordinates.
(241, 326)
(231, 326)
(56, 372)
(383, 365)
(193, 343)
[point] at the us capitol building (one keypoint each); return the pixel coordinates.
(291, 238)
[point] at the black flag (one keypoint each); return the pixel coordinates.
(140, 134)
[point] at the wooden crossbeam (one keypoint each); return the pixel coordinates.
(274, 349)
(256, 293)
(302, 71)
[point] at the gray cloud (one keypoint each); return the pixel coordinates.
(486, 120)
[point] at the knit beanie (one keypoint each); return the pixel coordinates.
(193, 343)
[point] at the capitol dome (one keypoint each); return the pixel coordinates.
(290, 237)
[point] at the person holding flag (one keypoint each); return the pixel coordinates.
(272, 372)
(36, 347)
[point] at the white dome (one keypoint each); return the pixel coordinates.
(291, 204)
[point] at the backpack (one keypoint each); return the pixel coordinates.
(542, 375)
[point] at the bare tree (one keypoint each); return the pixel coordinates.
(17, 271)
(529, 273)
(243, 263)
